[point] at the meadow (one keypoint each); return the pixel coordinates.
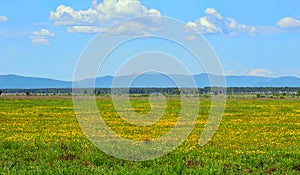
(41, 135)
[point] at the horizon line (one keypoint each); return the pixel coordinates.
(108, 75)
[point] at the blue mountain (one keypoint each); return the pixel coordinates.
(21, 82)
(147, 80)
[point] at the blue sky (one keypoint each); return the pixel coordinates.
(45, 38)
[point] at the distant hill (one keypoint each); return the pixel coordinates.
(146, 80)
(21, 82)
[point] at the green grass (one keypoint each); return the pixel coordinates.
(40, 135)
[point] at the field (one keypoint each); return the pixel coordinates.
(40, 135)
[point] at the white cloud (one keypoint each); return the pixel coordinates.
(84, 29)
(101, 15)
(65, 15)
(212, 11)
(230, 72)
(289, 23)
(41, 37)
(191, 38)
(260, 72)
(290, 72)
(3, 18)
(214, 23)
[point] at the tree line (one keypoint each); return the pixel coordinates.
(166, 91)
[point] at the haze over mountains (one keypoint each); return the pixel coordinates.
(146, 80)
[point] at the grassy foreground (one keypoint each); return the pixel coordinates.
(40, 135)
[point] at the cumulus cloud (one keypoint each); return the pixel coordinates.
(213, 12)
(3, 18)
(214, 23)
(260, 72)
(41, 37)
(289, 23)
(101, 15)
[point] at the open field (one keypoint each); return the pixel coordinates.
(40, 135)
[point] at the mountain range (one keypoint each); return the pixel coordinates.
(146, 80)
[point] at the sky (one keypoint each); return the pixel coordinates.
(46, 38)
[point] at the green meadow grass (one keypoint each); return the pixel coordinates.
(40, 135)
